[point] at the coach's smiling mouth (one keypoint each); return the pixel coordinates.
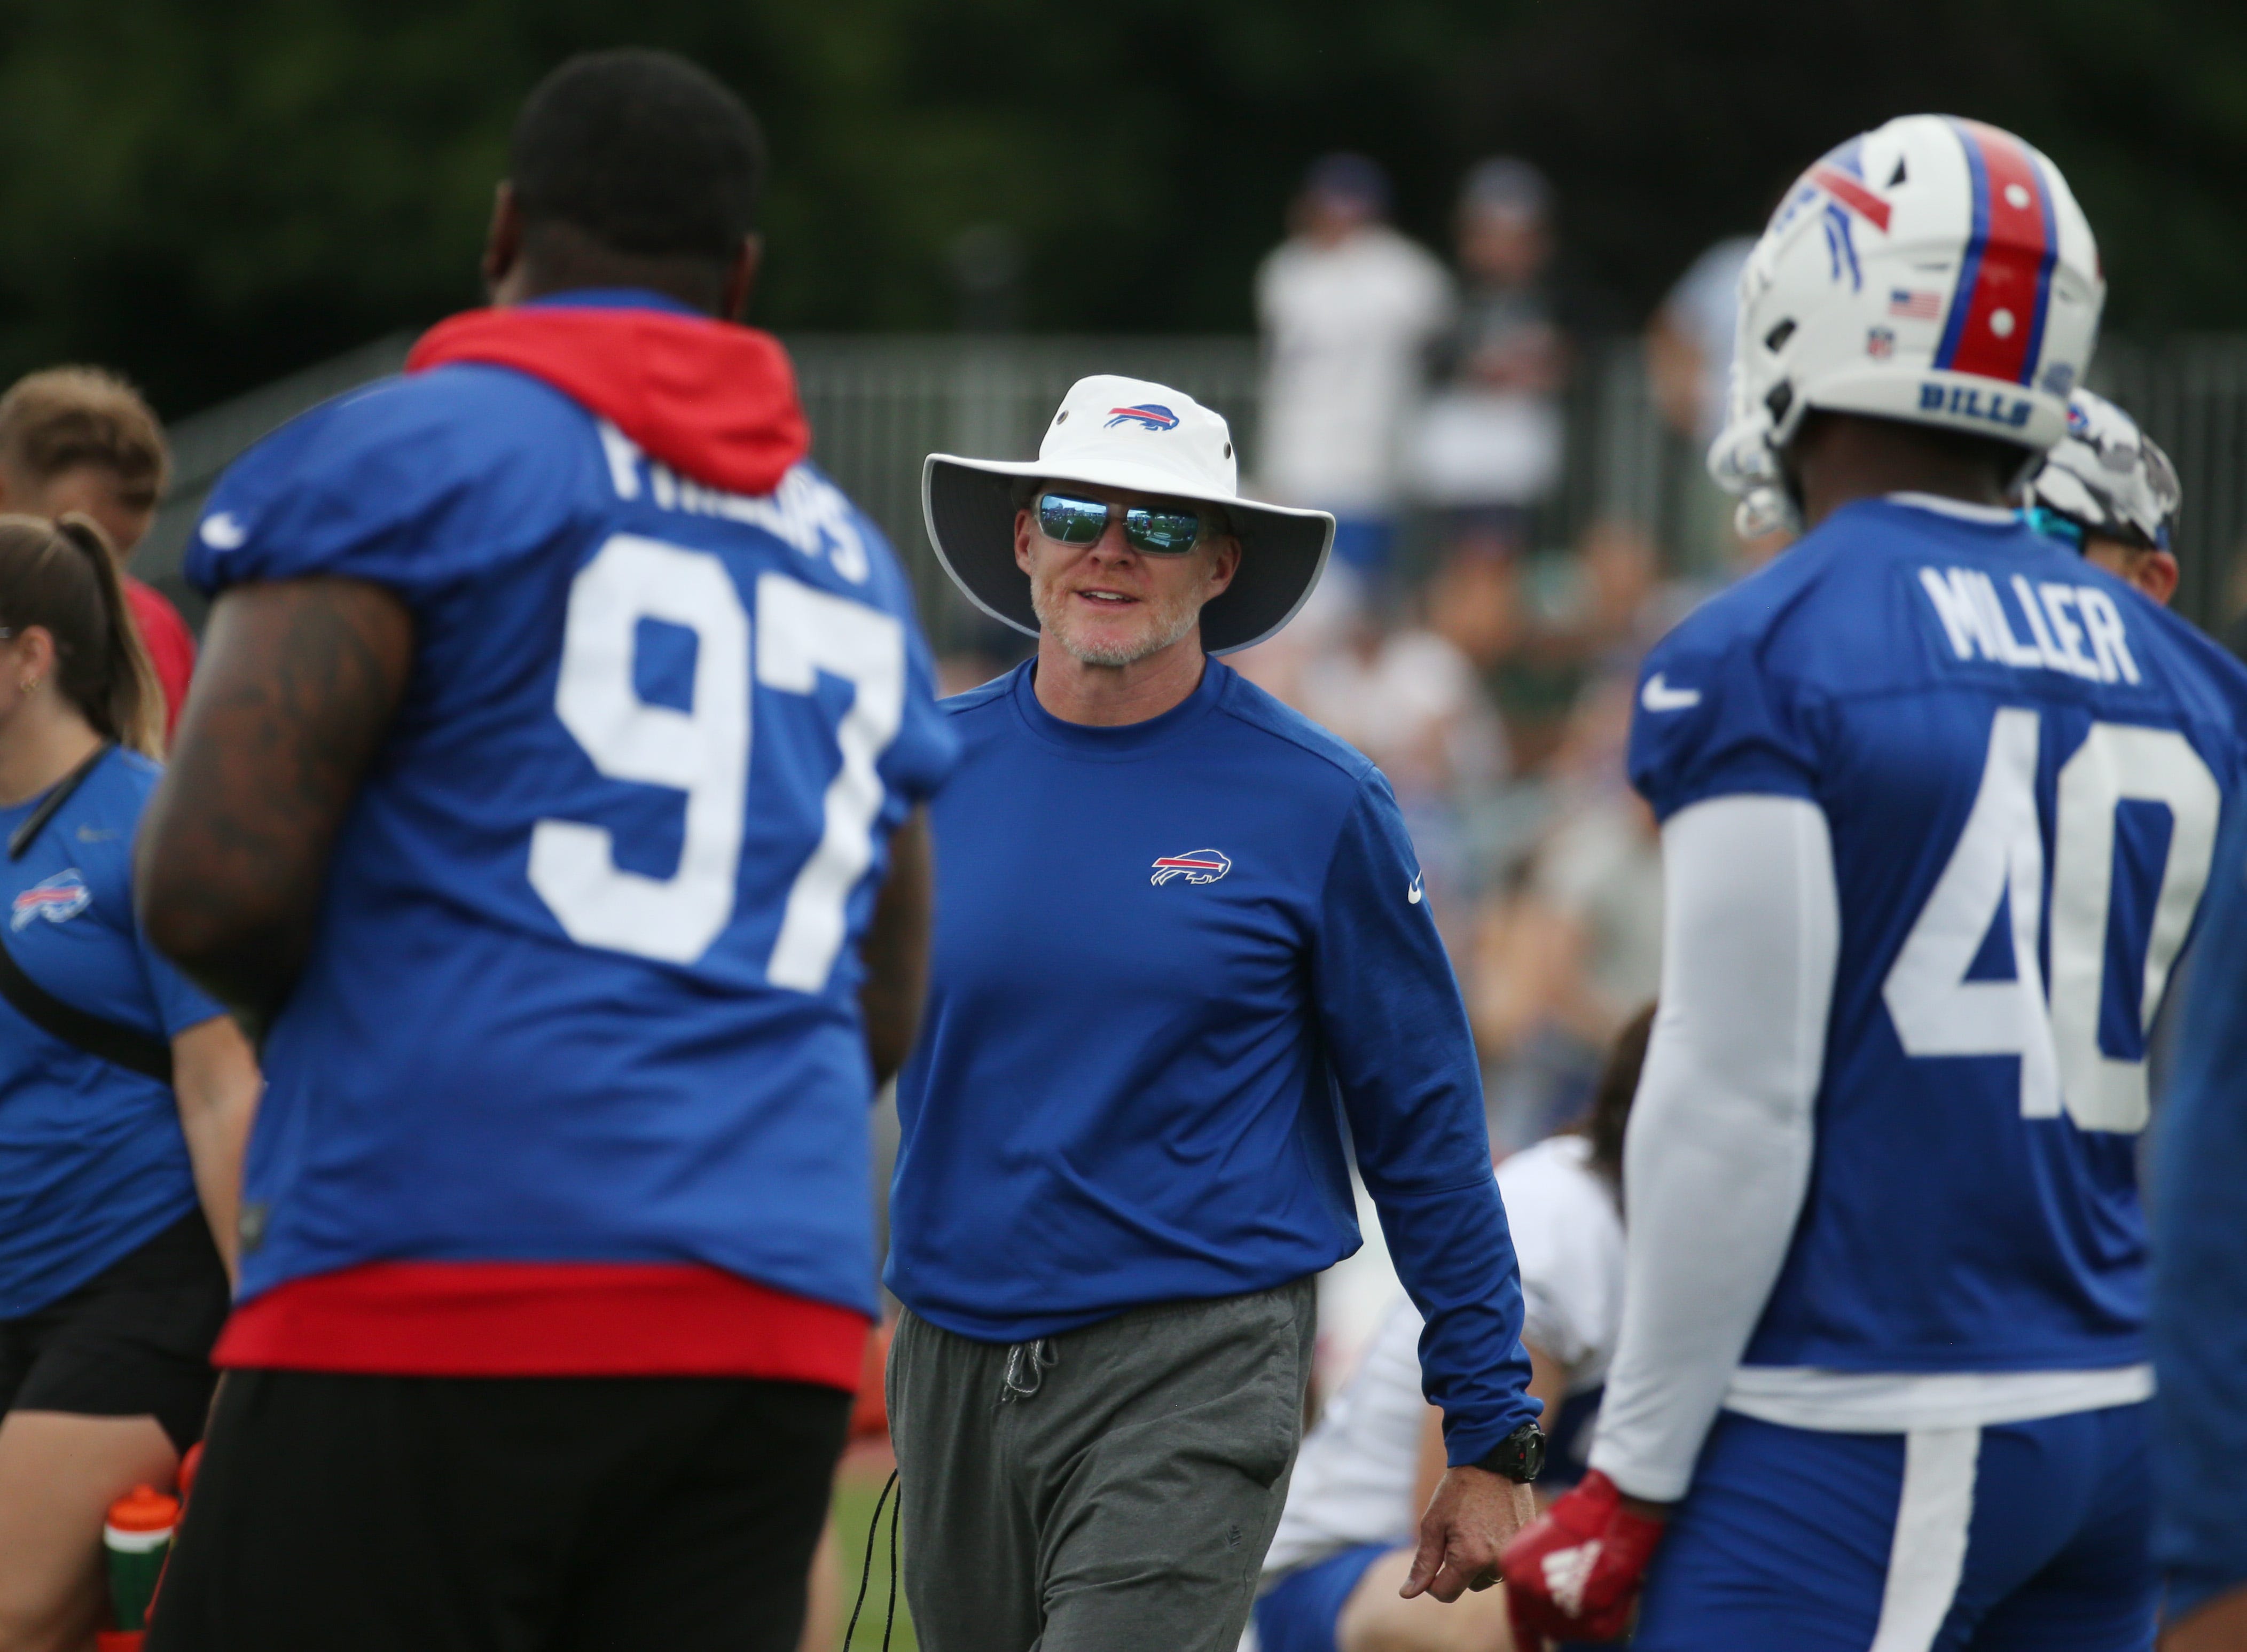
(1112, 598)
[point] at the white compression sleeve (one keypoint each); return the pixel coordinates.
(1716, 1159)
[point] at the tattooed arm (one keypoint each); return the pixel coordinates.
(296, 687)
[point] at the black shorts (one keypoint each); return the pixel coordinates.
(132, 1341)
(503, 1514)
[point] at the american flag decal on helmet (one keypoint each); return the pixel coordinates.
(1196, 866)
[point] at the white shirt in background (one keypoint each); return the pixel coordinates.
(1353, 1477)
(1346, 331)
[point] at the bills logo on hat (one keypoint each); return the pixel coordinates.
(1150, 414)
(63, 896)
(1196, 866)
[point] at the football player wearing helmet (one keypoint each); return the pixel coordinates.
(1938, 801)
(2108, 490)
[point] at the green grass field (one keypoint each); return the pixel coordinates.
(855, 1489)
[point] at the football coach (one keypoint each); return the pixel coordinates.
(1181, 968)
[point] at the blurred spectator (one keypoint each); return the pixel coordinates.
(1491, 438)
(1689, 362)
(1689, 344)
(1348, 308)
(1563, 956)
(1407, 698)
(82, 439)
(1578, 614)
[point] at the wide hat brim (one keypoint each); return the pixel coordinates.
(969, 508)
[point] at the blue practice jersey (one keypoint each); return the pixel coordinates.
(2200, 1274)
(93, 1165)
(2022, 764)
(584, 984)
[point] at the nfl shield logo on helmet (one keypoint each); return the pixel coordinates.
(1196, 866)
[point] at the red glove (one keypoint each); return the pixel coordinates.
(1574, 1573)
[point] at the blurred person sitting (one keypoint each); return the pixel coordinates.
(1561, 955)
(1583, 611)
(82, 438)
(1348, 307)
(1491, 441)
(1689, 342)
(2108, 490)
(1369, 1468)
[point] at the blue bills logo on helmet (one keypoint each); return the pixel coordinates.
(1196, 866)
(1150, 415)
(56, 898)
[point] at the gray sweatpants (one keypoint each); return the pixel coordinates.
(1117, 1494)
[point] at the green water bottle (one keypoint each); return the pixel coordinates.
(136, 1537)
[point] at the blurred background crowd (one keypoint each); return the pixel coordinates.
(1459, 272)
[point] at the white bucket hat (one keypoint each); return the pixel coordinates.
(1129, 433)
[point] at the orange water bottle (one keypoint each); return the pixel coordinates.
(136, 1537)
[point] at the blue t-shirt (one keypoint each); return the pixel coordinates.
(584, 984)
(2200, 1260)
(93, 1165)
(1178, 967)
(2022, 763)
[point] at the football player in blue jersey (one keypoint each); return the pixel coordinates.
(1938, 802)
(2200, 1286)
(539, 790)
(2109, 491)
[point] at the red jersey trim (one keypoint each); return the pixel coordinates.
(545, 1319)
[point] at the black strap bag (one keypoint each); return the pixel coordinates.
(127, 1046)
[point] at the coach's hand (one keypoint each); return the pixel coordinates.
(1575, 1575)
(1469, 1520)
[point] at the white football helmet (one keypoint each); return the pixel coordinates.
(1935, 271)
(2109, 477)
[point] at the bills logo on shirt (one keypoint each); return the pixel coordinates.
(1196, 866)
(57, 900)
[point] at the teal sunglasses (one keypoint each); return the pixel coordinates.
(1152, 528)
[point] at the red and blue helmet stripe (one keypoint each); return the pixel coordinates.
(1998, 312)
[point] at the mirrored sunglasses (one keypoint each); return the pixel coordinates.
(1158, 531)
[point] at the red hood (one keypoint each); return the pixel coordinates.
(712, 400)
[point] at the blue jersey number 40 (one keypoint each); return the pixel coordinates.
(1999, 860)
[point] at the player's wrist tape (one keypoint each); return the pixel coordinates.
(1574, 1573)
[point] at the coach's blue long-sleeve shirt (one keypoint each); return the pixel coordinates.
(2199, 1199)
(1171, 959)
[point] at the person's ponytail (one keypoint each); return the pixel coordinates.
(108, 677)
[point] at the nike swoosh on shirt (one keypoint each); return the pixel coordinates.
(1660, 696)
(1414, 892)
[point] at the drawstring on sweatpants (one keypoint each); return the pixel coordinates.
(1027, 1364)
(866, 1570)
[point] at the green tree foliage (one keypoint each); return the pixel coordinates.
(209, 192)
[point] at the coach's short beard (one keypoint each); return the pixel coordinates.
(1172, 620)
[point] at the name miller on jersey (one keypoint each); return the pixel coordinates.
(1977, 619)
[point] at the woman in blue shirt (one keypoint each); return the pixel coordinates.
(118, 1185)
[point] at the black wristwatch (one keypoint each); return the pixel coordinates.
(1520, 1457)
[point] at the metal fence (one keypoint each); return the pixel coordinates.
(878, 403)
